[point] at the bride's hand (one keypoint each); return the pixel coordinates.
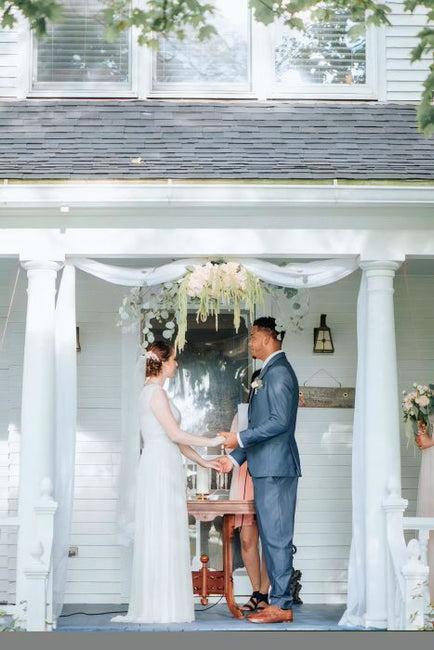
(211, 464)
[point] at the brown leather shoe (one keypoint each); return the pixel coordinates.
(271, 614)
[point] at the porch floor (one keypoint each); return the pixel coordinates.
(96, 618)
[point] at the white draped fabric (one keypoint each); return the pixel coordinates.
(127, 277)
(66, 415)
(313, 274)
(354, 615)
(301, 276)
(132, 381)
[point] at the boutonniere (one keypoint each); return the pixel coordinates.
(257, 384)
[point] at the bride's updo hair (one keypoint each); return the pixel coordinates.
(156, 354)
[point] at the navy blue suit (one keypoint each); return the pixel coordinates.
(271, 453)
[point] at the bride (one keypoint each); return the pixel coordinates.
(161, 586)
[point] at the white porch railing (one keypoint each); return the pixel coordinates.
(407, 568)
(36, 613)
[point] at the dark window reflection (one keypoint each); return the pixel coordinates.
(213, 374)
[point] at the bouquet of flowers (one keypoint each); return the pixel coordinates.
(416, 407)
(212, 286)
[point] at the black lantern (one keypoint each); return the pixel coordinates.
(322, 337)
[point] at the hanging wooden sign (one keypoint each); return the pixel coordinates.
(326, 398)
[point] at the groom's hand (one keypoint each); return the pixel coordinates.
(226, 465)
(231, 440)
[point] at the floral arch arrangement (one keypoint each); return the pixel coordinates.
(207, 289)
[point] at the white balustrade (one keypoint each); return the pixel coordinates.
(35, 613)
(407, 569)
(415, 575)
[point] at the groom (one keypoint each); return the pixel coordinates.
(269, 447)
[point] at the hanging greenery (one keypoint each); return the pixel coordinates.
(207, 289)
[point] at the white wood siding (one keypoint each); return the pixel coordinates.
(9, 62)
(10, 400)
(323, 521)
(94, 576)
(4, 480)
(404, 79)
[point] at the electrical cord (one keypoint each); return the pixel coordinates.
(204, 609)
(124, 611)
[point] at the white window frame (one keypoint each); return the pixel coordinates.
(262, 75)
(84, 89)
(368, 90)
(260, 84)
(205, 91)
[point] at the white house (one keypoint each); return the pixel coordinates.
(251, 148)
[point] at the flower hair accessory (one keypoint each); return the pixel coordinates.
(151, 355)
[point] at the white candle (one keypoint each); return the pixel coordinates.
(202, 480)
(243, 417)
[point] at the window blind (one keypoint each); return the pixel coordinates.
(321, 54)
(75, 51)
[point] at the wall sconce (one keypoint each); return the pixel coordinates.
(322, 337)
(77, 339)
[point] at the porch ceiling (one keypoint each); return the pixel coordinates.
(115, 139)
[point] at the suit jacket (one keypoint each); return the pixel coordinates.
(269, 443)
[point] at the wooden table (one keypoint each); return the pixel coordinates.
(206, 582)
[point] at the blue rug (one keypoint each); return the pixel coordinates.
(217, 618)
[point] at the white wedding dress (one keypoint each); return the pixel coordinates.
(161, 584)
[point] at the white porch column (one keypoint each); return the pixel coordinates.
(37, 406)
(382, 446)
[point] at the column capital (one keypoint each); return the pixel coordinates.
(41, 265)
(380, 265)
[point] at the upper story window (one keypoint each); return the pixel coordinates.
(220, 64)
(322, 54)
(244, 59)
(248, 59)
(322, 59)
(75, 59)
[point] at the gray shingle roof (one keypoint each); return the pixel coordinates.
(60, 139)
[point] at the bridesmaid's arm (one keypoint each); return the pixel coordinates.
(160, 407)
